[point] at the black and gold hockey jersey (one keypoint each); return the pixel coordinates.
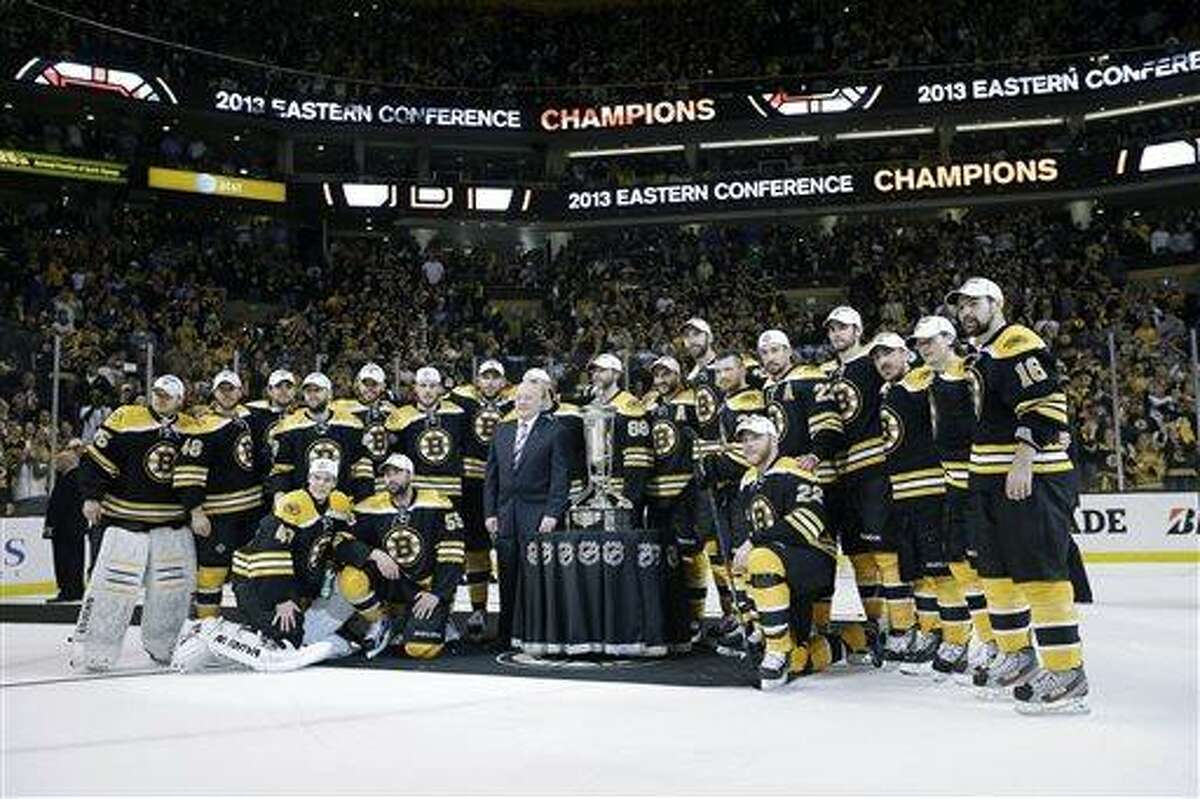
(672, 432)
(374, 421)
(912, 463)
(300, 438)
(130, 465)
(855, 385)
(433, 438)
(633, 453)
(217, 467)
(483, 413)
(1017, 395)
(801, 405)
(784, 504)
(728, 464)
(264, 418)
(709, 399)
(425, 539)
(952, 412)
(293, 547)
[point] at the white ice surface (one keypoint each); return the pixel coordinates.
(328, 730)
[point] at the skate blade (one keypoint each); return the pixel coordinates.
(730, 652)
(992, 694)
(1069, 707)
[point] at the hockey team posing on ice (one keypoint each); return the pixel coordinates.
(939, 466)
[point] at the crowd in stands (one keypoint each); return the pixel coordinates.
(197, 290)
(510, 49)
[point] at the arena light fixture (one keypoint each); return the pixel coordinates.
(646, 150)
(1109, 113)
(883, 134)
(735, 143)
(1168, 155)
(484, 198)
(1011, 124)
(369, 195)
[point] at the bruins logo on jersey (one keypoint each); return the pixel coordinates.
(324, 448)
(375, 440)
(762, 513)
(893, 429)
(433, 445)
(485, 424)
(848, 399)
(778, 415)
(666, 438)
(160, 461)
(318, 550)
(403, 544)
(243, 451)
(975, 383)
(706, 404)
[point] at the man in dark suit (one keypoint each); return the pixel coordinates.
(65, 526)
(525, 489)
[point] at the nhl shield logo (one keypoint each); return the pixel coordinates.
(614, 553)
(531, 553)
(547, 553)
(589, 553)
(566, 554)
(649, 555)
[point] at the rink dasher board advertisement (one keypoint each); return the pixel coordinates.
(26, 562)
(1152, 527)
(856, 98)
(1124, 528)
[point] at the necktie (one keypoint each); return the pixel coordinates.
(519, 444)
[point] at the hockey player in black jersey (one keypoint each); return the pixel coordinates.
(671, 490)
(1021, 479)
(125, 480)
(858, 503)
(265, 415)
(786, 551)
(217, 479)
(406, 558)
(485, 402)
(431, 430)
(633, 457)
(371, 406)
(318, 431)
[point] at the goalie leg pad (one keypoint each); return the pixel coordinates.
(192, 653)
(170, 581)
(111, 597)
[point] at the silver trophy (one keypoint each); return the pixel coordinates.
(598, 505)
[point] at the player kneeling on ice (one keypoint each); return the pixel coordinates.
(277, 578)
(405, 562)
(788, 553)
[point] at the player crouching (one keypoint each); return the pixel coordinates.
(277, 578)
(788, 553)
(405, 562)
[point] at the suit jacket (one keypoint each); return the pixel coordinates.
(520, 496)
